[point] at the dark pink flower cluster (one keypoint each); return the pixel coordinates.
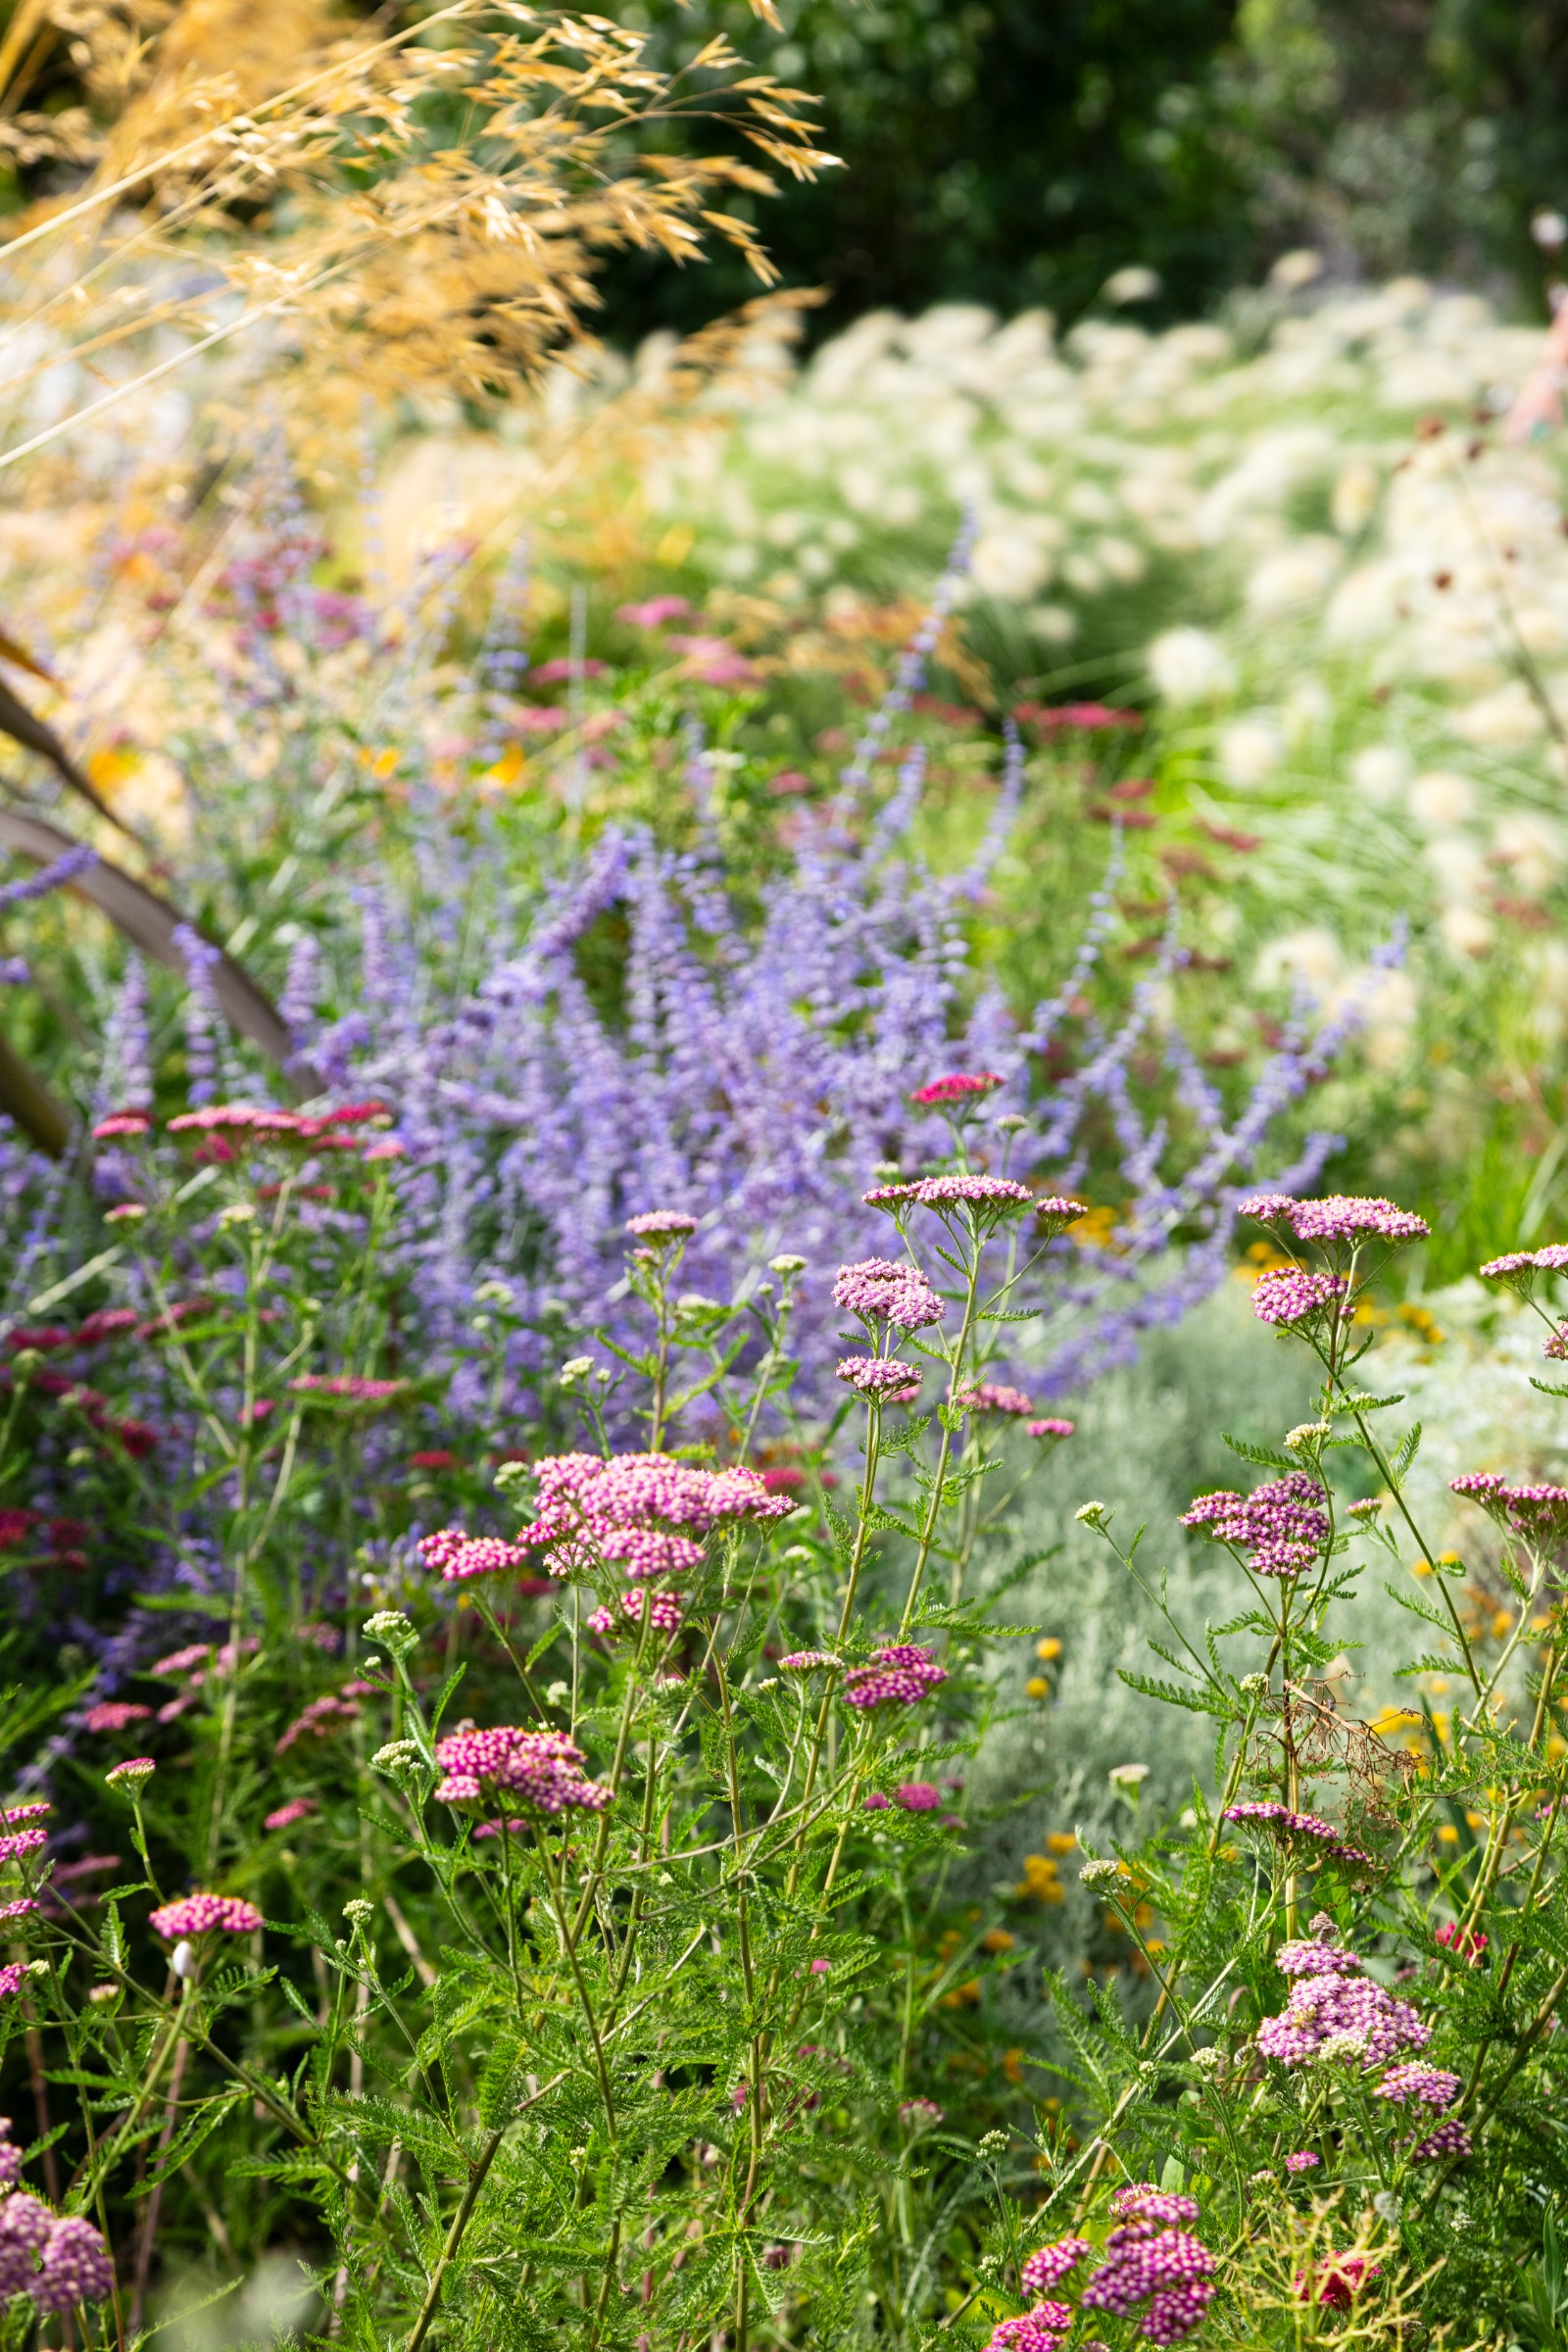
(1148, 2261)
(1288, 1825)
(1047, 2266)
(917, 1797)
(584, 1499)
(543, 1770)
(1339, 1217)
(59, 2260)
(458, 1557)
(12, 1976)
(1304, 2160)
(879, 1290)
(882, 1379)
(1426, 2086)
(1051, 1428)
(114, 1715)
(998, 1194)
(332, 1712)
(1328, 2003)
(900, 1674)
(1281, 1526)
(1450, 2138)
(1039, 2331)
(1317, 1956)
(661, 1609)
(960, 1088)
(204, 1915)
(1286, 1296)
(76, 2267)
(17, 1842)
(993, 1397)
(1556, 1348)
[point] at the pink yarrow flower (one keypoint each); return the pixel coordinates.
(204, 1915)
(1336, 1218)
(992, 1196)
(541, 1770)
(917, 1797)
(880, 1291)
(1304, 2160)
(991, 1397)
(1281, 1526)
(882, 1379)
(298, 1808)
(900, 1674)
(962, 1087)
(1286, 1296)
(1050, 1429)
(661, 1225)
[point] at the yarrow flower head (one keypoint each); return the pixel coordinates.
(900, 1674)
(962, 1087)
(1049, 1427)
(917, 1797)
(1334, 2013)
(1296, 1827)
(1151, 2261)
(1450, 2138)
(806, 1661)
(1539, 1512)
(992, 1397)
(920, 2115)
(76, 2266)
(204, 1915)
(133, 1774)
(1338, 1217)
(591, 1510)
(989, 1197)
(1424, 2085)
(1304, 2160)
(541, 1770)
(880, 1291)
(661, 1225)
(1519, 1268)
(1281, 1526)
(1047, 2266)
(1286, 1297)
(882, 1379)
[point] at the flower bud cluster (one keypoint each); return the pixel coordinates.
(882, 1379)
(1289, 1297)
(204, 1915)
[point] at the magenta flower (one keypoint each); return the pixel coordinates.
(17, 1844)
(1281, 1526)
(876, 1802)
(1050, 1429)
(900, 1674)
(122, 1122)
(76, 2266)
(460, 1556)
(1304, 2160)
(1516, 1266)
(1450, 2138)
(661, 1609)
(298, 1808)
(1425, 2085)
(1039, 2331)
(1329, 2003)
(543, 1770)
(347, 1388)
(1047, 2266)
(134, 1773)
(1286, 1296)
(961, 1086)
(917, 1797)
(204, 1915)
(11, 1978)
(997, 1195)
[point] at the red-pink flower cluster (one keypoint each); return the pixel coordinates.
(661, 1225)
(298, 1808)
(961, 1086)
(1330, 2001)
(1517, 1265)
(460, 1556)
(542, 1770)
(1538, 1513)
(661, 1609)
(1295, 1826)
(997, 1194)
(204, 1915)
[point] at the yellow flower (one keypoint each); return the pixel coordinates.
(1061, 1841)
(1154, 1945)
(1501, 1623)
(1477, 1820)
(1037, 1686)
(1013, 2064)
(997, 1940)
(1048, 1649)
(1420, 1567)
(1041, 1878)
(1447, 1560)
(1447, 1834)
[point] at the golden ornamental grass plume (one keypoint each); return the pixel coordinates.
(402, 208)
